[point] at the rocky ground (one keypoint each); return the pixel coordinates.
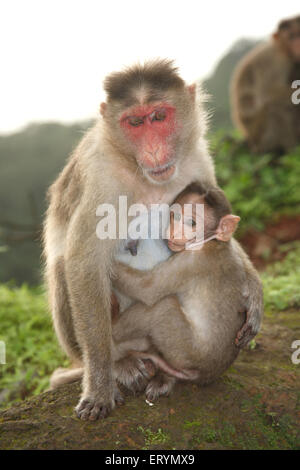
(255, 405)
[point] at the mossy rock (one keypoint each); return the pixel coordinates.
(255, 405)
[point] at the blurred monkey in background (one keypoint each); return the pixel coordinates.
(261, 92)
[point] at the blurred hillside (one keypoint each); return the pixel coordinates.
(217, 85)
(29, 162)
(31, 159)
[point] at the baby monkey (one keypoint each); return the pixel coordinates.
(189, 308)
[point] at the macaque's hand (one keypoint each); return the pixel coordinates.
(254, 310)
(246, 333)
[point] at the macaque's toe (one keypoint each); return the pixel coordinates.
(92, 410)
(94, 407)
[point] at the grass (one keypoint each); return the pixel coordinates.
(32, 352)
(153, 438)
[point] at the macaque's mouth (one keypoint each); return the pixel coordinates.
(162, 173)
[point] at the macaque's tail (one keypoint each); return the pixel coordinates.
(63, 376)
(184, 374)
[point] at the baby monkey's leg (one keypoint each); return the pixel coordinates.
(169, 333)
(160, 385)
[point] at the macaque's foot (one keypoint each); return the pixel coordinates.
(93, 407)
(134, 373)
(161, 384)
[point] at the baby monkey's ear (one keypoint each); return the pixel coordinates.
(227, 227)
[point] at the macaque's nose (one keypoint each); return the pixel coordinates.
(156, 158)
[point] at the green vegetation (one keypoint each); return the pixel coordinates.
(32, 352)
(282, 280)
(153, 438)
(260, 188)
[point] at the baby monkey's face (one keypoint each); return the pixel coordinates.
(193, 222)
(188, 216)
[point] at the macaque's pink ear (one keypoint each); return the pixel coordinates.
(192, 90)
(227, 226)
(102, 108)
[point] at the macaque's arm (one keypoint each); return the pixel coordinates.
(165, 279)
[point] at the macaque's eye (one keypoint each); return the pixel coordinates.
(177, 216)
(135, 121)
(158, 115)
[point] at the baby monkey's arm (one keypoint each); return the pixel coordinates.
(169, 277)
(165, 279)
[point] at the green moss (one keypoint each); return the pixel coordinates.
(152, 438)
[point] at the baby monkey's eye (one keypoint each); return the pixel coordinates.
(190, 222)
(177, 216)
(135, 121)
(158, 115)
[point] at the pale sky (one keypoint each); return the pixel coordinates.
(55, 53)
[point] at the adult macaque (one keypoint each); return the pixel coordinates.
(193, 334)
(148, 146)
(262, 90)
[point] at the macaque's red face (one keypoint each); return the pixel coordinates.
(152, 129)
(183, 223)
